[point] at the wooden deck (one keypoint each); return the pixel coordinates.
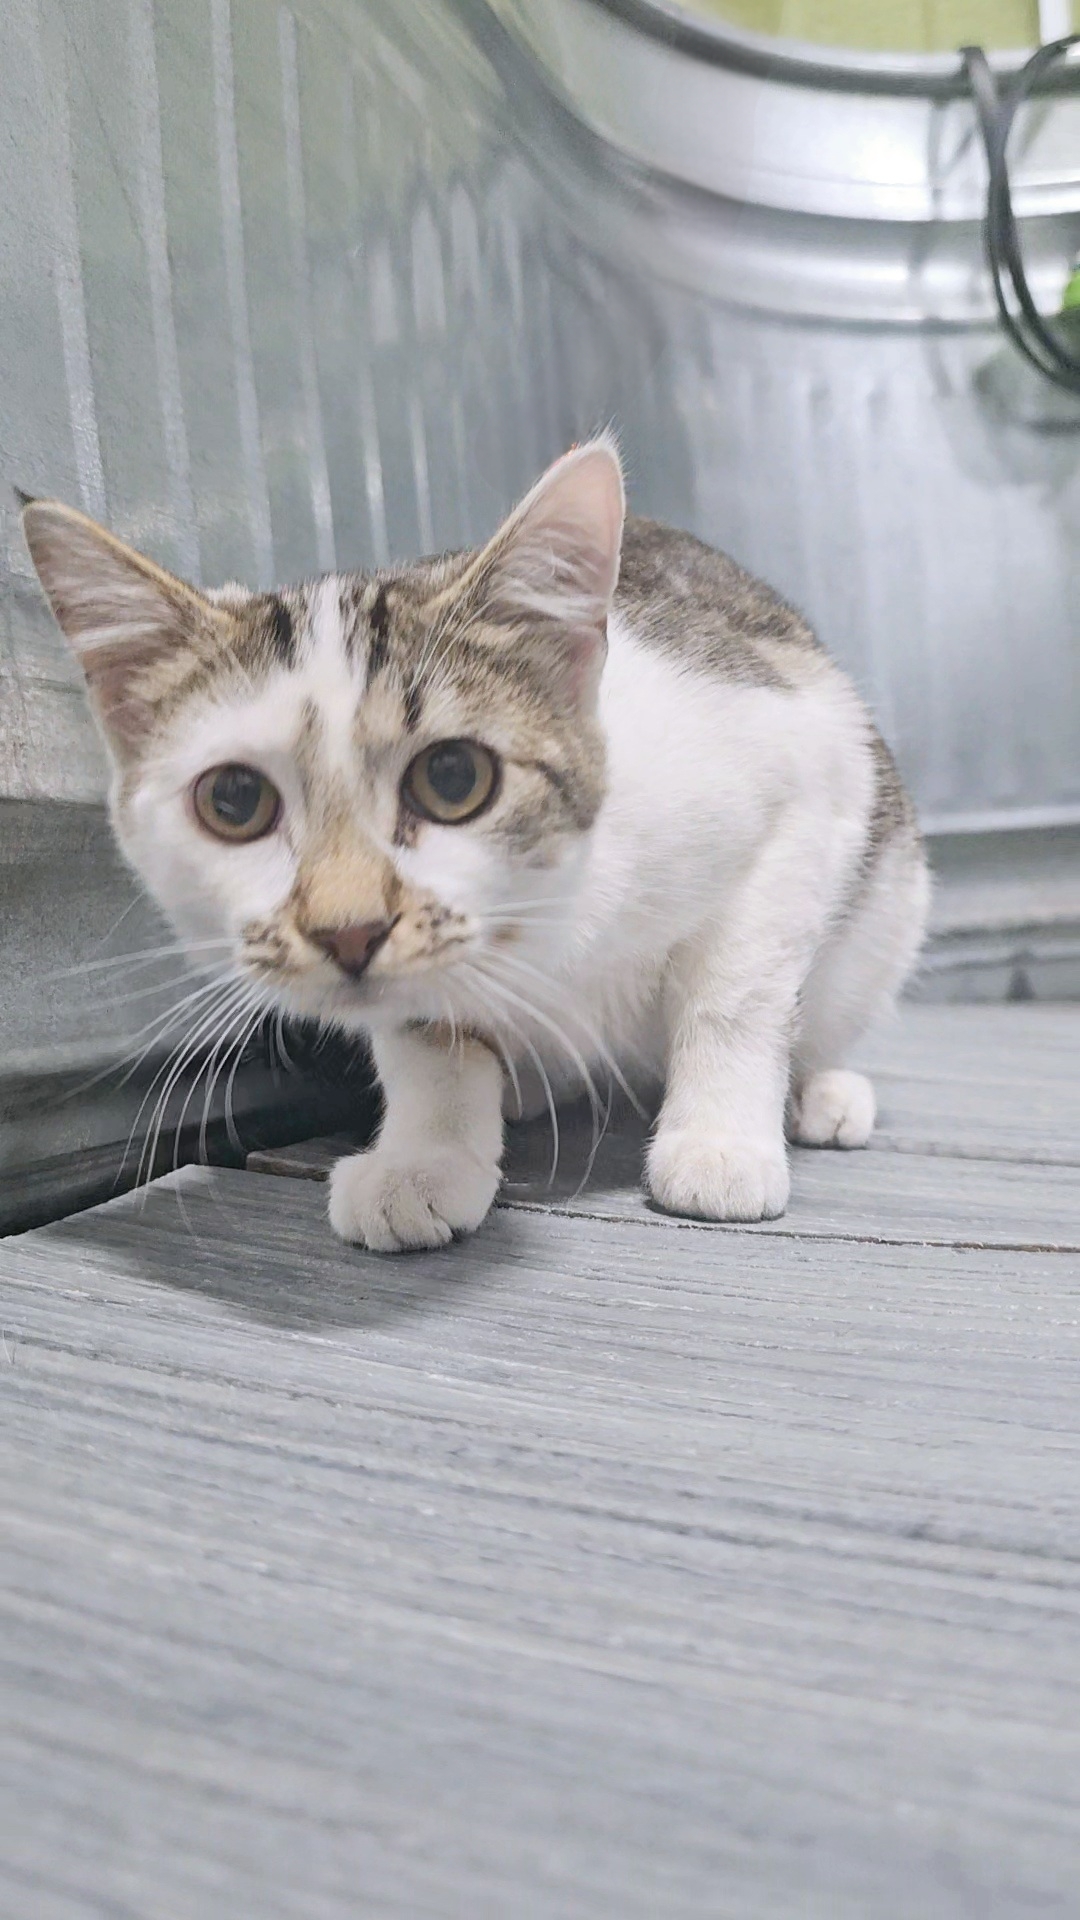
(602, 1566)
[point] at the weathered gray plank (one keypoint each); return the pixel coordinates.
(304, 1159)
(980, 1082)
(923, 1200)
(574, 1570)
(958, 1083)
(901, 1198)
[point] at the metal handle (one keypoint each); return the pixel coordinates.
(1026, 328)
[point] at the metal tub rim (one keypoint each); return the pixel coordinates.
(777, 125)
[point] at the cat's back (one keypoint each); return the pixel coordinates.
(701, 609)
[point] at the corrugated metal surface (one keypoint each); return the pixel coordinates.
(285, 288)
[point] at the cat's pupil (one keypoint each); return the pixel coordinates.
(236, 794)
(451, 772)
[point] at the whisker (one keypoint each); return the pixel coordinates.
(511, 1070)
(279, 1037)
(123, 1066)
(598, 1131)
(175, 1068)
(451, 1020)
(549, 1095)
(230, 1126)
(545, 1020)
(210, 1010)
(576, 1057)
(218, 1063)
(207, 1069)
(139, 899)
(533, 973)
(145, 958)
(596, 1143)
(110, 1000)
(497, 908)
(160, 1025)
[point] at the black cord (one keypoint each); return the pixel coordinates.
(1027, 328)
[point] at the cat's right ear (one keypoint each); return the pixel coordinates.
(550, 572)
(127, 619)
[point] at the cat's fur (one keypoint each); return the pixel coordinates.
(700, 865)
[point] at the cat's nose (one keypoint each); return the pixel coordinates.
(353, 947)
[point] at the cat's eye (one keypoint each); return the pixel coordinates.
(451, 782)
(236, 803)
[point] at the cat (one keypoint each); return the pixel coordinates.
(589, 800)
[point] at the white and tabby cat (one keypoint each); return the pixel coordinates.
(590, 795)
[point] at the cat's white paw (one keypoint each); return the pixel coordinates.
(716, 1176)
(834, 1109)
(395, 1205)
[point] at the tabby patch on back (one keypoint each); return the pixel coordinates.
(587, 804)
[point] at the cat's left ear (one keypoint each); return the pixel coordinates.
(554, 564)
(132, 625)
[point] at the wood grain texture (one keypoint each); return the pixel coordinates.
(908, 1198)
(978, 1144)
(979, 1082)
(584, 1569)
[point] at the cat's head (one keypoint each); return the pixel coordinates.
(370, 786)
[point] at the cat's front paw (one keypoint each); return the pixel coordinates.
(717, 1176)
(393, 1204)
(834, 1109)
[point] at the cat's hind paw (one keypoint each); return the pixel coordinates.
(395, 1205)
(714, 1176)
(834, 1109)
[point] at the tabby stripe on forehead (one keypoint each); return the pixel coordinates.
(379, 653)
(413, 705)
(280, 630)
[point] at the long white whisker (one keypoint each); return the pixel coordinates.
(218, 1063)
(181, 1059)
(144, 958)
(160, 1025)
(230, 1124)
(502, 992)
(578, 1060)
(496, 909)
(284, 1055)
(211, 1005)
(123, 1066)
(451, 1021)
(206, 1068)
(137, 900)
(596, 1141)
(111, 1000)
(552, 1106)
(533, 973)
(598, 1132)
(534, 1012)
(511, 1070)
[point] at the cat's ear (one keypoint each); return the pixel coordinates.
(555, 562)
(129, 622)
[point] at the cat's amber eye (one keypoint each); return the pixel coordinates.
(451, 782)
(236, 803)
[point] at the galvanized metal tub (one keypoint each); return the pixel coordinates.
(289, 288)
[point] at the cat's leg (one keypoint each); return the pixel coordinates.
(732, 994)
(853, 981)
(434, 1169)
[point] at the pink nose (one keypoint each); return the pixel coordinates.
(353, 947)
